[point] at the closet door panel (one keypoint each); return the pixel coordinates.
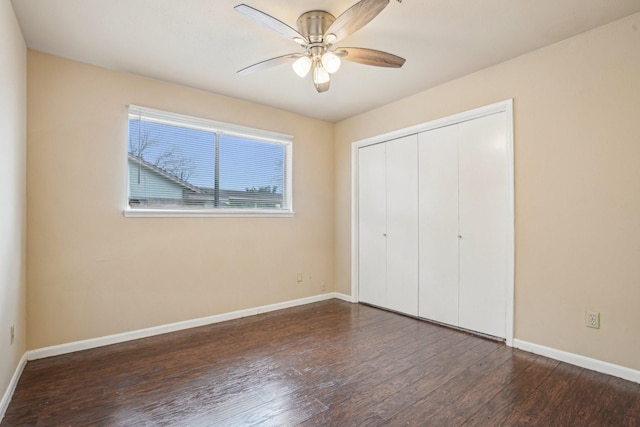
(372, 248)
(483, 224)
(438, 205)
(402, 225)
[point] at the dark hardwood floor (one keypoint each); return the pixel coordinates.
(329, 363)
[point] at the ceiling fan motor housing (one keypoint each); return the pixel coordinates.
(314, 24)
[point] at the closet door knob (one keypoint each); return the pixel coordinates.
(459, 236)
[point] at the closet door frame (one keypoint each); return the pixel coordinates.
(499, 107)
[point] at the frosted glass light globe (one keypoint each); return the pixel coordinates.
(320, 75)
(331, 62)
(302, 65)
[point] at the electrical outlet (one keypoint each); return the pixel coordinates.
(323, 285)
(13, 333)
(593, 319)
(299, 277)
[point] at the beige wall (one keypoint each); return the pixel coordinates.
(577, 184)
(93, 272)
(13, 147)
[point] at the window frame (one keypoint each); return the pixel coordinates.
(220, 128)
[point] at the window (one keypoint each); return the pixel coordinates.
(187, 166)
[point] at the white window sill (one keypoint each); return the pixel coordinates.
(205, 213)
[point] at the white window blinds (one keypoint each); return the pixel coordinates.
(179, 163)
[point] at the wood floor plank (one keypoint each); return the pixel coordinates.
(327, 363)
(453, 401)
(582, 407)
(545, 399)
(501, 405)
(615, 404)
(449, 364)
(362, 395)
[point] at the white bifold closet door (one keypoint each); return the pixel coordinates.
(439, 278)
(463, 224)
(402, 225)
(483, 211)
(388, 224)
(372, 224)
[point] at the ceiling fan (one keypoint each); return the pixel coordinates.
(317, 32)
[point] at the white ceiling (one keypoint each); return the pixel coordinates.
(202, 43)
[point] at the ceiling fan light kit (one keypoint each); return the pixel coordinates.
(317, 32)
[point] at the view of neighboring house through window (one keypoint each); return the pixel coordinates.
(178, 163)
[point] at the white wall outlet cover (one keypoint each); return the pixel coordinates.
(593, 319)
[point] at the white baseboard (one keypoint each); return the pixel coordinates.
(8, 394)
(172, 327)
(578, 360)
(343, 297)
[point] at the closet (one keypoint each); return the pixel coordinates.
(435, 223)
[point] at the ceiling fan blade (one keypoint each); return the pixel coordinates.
(356, 17)
(271, 23)
(370, 57)
(268, 63)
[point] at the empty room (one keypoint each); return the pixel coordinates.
(329, 212)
